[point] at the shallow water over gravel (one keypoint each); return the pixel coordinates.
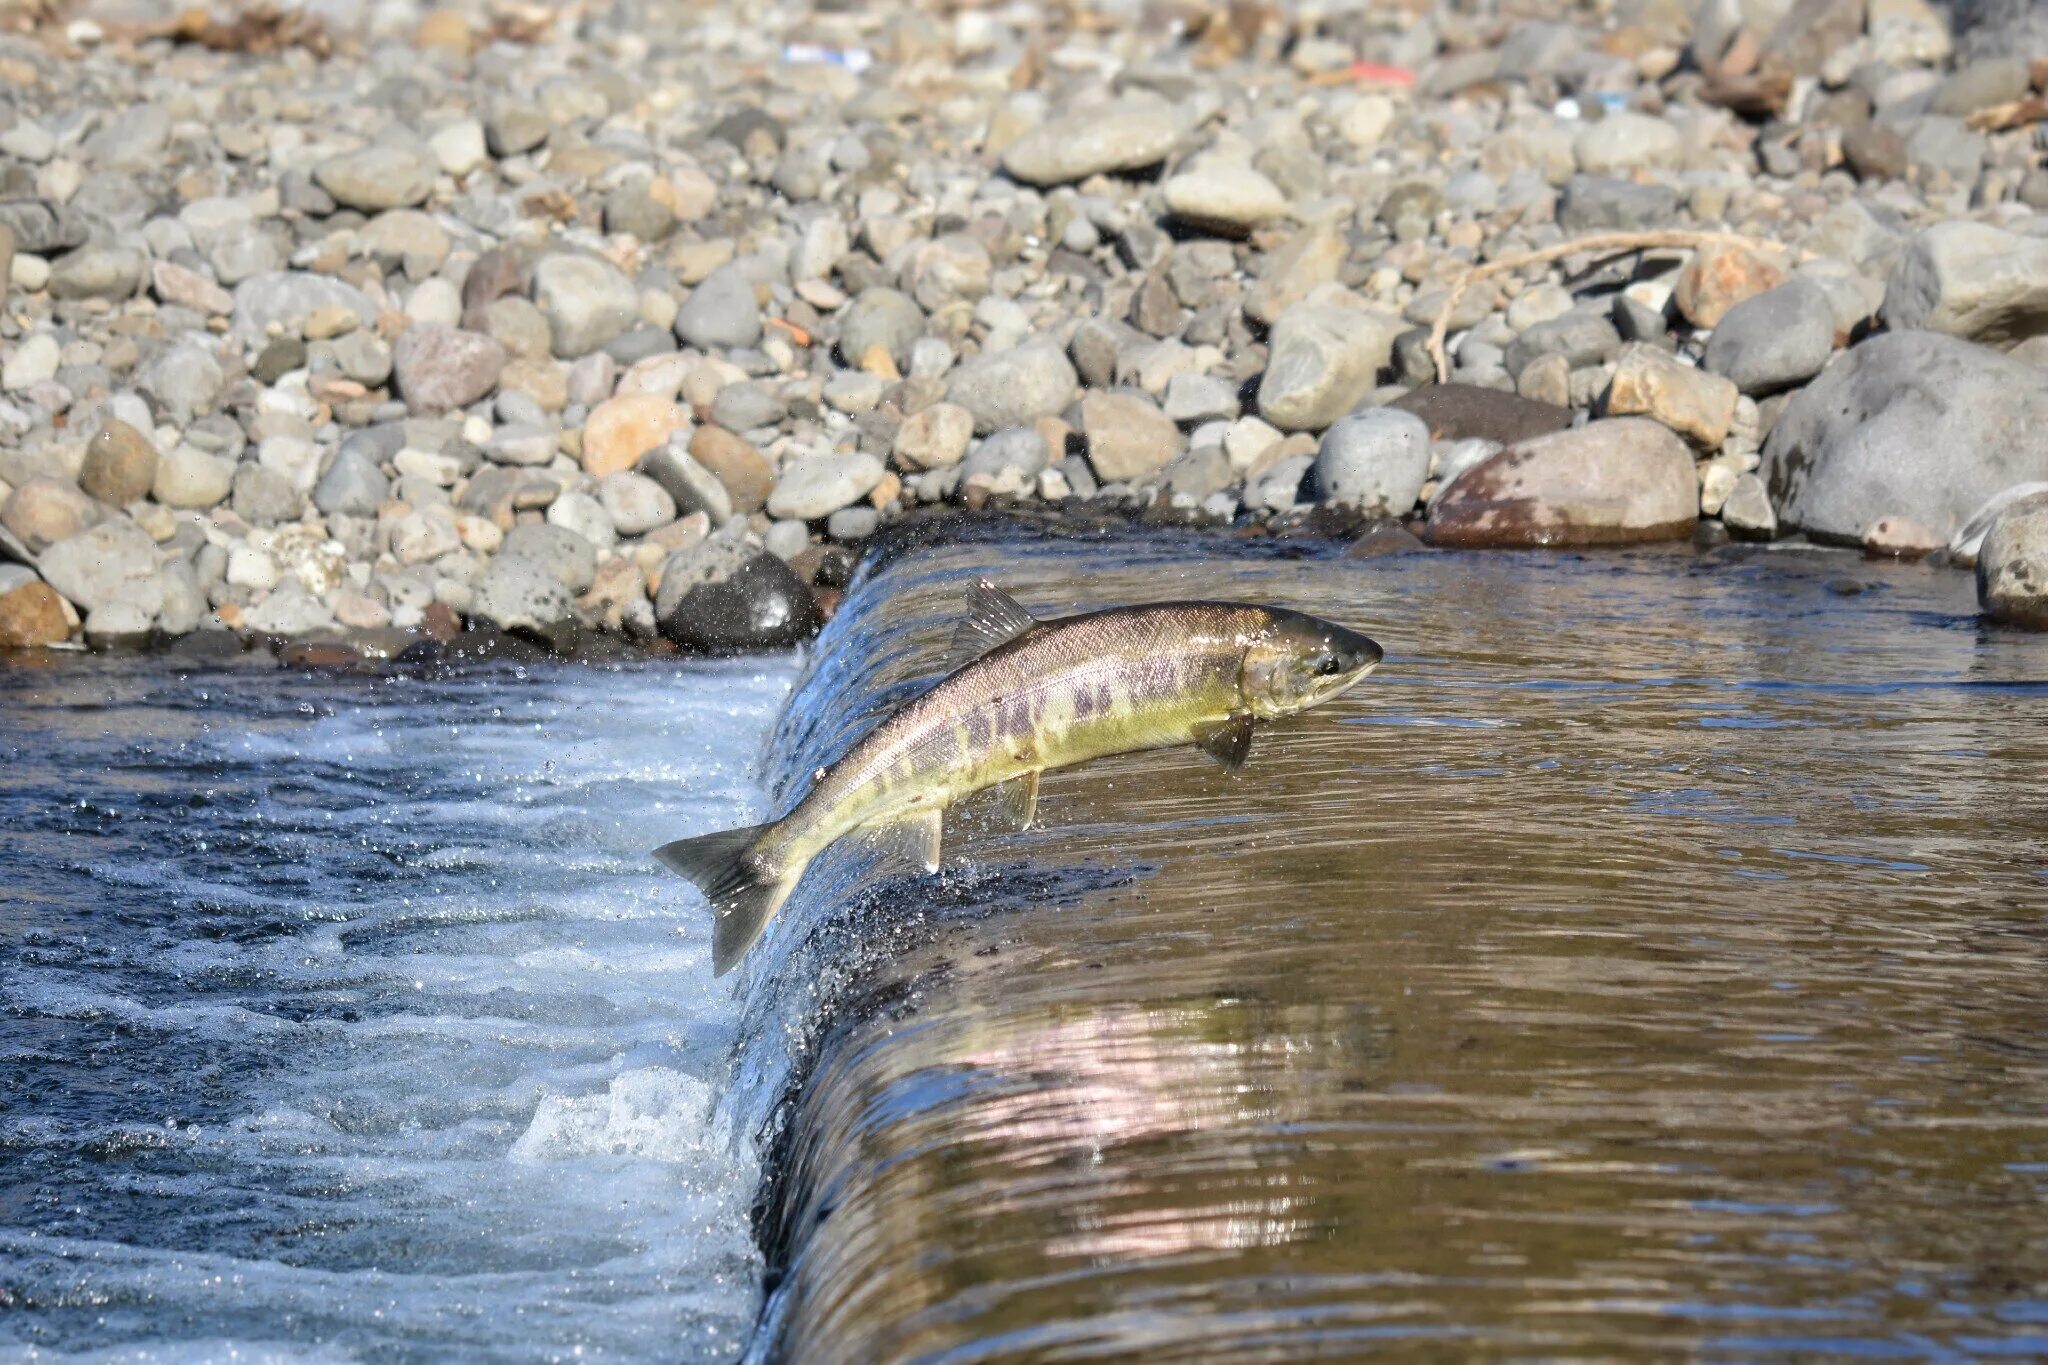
(350, 1017)
(1649, 958)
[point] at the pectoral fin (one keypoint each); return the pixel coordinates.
(1228, 741)
(915, 839)
(1016, 803)
(993, 618)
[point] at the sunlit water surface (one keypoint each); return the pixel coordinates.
(347, 1018)
(1652, 957)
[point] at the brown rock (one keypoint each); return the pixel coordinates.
(187, 288)
(44, 511)
(1463, 412)
(745, 471)
(32, 616)
(437, 368)
(624, 428)
(1613, 482)
(1651, 383)
(439, 622)
(496, 273)
(446, 30)
(541, 378)
(1719, 277)
(1128, 438)
(120, 464)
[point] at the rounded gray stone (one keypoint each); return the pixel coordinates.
(1375, 461)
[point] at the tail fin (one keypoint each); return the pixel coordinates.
(743, 897)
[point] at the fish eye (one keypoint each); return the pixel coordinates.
(1328, 665)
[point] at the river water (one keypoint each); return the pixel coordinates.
(1650, 958)
(347, 1018)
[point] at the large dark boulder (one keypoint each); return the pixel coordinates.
(725, 596)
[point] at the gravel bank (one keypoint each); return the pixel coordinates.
(612, 322)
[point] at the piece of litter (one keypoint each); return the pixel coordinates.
(854, 59)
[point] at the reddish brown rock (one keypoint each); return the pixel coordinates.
(1719, 277)
(32, 616)
(622, 429)
(1616, 482)
(746, 472)
(1463, 412)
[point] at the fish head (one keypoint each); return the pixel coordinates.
(1298, 661)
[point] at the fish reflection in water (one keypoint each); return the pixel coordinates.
(1464, 1023)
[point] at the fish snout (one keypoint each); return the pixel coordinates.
(1355, 654)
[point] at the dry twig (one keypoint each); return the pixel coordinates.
(1998, 118)
(1615, 243)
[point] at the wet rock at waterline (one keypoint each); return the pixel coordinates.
(1619, 481)
(2012, 565)
(725, 596)
(1912, 424)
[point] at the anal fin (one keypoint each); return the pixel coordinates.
(1228, 741)
(915, 839)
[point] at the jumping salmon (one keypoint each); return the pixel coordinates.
(1036, 695)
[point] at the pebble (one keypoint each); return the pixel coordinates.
(1719, 277)
(622, 429)
(934, 438)
(43, 511)
(1627, 141)
(811, 487)
(1014, 387)
(1123, 135)
(518, 592)
(187, 477)
(1128, 438)
(1227, 196)
(30, 362)
(721, 312)
(1778, 339)
(1324, 358)
(1698, 405)
(352, 485)
(88, 568)
(745, 472)
(689, 485)
(586, 302)
(436, 367)
(1374, 461)
(120, 464)
(32, 616)
(377, 178)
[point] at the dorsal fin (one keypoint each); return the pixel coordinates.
(993, 618)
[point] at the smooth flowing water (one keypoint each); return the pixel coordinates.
(347, 1018)
(1651, 958)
